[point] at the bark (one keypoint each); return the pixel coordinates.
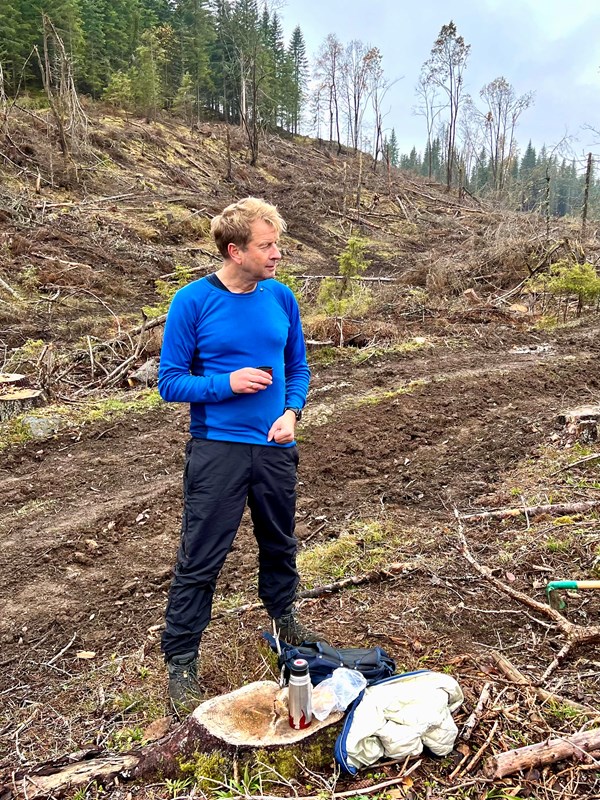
(538, 755)
(234, 724)
(17, 401)
(581, 424)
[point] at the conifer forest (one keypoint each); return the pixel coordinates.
(229, 60)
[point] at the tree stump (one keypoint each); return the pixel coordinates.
(581, 424)
(18, 401)
(12, 378)
(146, 375)
(234, 725)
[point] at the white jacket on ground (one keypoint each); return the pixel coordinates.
(397, 717)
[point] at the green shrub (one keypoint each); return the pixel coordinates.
(166, 291)
(339, 298)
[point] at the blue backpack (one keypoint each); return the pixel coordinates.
(374, 663)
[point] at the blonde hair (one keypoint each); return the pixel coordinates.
(233, 224)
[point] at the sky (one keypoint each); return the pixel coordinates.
(550, 47)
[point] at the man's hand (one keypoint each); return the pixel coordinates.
(283, 429)
(249, 380)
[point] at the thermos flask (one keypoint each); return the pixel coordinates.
(300, 695)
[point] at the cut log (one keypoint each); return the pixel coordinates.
(17, 401)
(146, 375)
(538, 755)
(234, 725)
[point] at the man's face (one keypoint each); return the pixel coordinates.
(258, 261)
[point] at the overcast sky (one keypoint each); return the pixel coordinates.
(551, 47)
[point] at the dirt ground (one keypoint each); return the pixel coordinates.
(89, 528)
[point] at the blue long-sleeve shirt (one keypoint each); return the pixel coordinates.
(210, 333)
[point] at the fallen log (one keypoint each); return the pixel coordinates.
(516, 676)
(532, 511)
(575, 635)
(235, 725)
(576, 747)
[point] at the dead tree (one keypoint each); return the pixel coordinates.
(59, 84)
(586, 195)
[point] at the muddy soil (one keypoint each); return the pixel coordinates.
(89, 528)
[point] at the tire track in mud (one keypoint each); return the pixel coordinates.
(449, 437)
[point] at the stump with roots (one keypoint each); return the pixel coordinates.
(245, 726)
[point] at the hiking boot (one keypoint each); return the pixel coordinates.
(184, 690)
(289, 628)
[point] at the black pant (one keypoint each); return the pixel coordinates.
(218, 479)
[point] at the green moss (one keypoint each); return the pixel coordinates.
(207, 769)
(289, 763)
(558, 545)
(281, 762)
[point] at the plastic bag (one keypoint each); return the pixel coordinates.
(337, 692)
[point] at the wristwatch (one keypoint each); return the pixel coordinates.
(297, 412)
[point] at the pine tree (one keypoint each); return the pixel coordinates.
(444, 69)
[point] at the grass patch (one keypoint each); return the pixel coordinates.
(15, 432)
(378, 397)
(329, 354)
(366, 546)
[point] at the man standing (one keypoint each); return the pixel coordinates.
(234, 350)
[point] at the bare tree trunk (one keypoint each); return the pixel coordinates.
(359, 185)
(588, 178)
(229, 168)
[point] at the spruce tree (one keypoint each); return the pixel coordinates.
(195, 29)
(95, 66)
(393, 154)
(146, 75)
(299, 77)
(13, 43)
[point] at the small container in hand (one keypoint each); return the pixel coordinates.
(267, 369)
